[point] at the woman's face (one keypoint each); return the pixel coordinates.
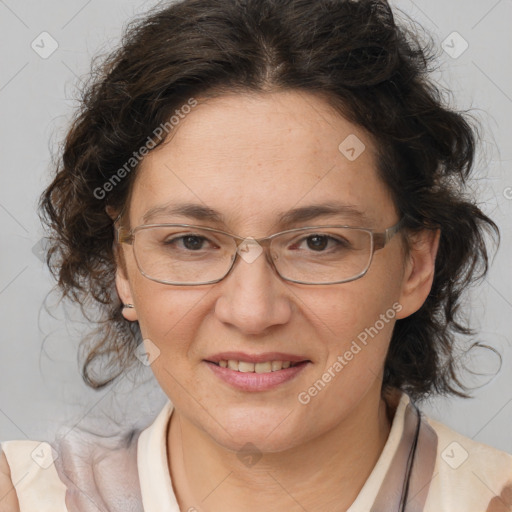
(252, 158)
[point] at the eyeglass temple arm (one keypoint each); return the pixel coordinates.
(381, 239)
(123, 236)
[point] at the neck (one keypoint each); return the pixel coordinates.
(325, 473)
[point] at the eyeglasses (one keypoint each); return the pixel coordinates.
(188, 255)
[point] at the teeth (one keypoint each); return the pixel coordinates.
(263, 367)
(276, 365)
(246, 367)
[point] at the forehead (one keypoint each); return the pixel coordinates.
(252, 157)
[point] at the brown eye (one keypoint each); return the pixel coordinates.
(189, 242)
(317, 242)
(193, 242)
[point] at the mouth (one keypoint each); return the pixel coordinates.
(259, 372)
(261, 367)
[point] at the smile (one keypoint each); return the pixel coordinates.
(249, 367)
(261, 376)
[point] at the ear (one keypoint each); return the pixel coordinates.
(419, 271)
(123, 286)
(122, 282)
(111, 212)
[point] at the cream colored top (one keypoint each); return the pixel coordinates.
(451, 473)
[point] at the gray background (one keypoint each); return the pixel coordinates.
(40, 386)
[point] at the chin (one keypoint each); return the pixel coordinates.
(256, 443)
(269, 430)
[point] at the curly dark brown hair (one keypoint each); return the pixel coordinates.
(375, 72)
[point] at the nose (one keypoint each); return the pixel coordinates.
(253, 297)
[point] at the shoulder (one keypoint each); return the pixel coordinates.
(468, 475)
(71, 471)
(78, 466)
(28, 471)
(8, 496)
(452, 472)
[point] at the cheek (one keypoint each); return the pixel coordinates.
(352, 307)
(355, 323)
(170, 319)
(167, 315)
(354, 326)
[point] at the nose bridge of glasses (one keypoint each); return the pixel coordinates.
(263, 242)
(250, 249)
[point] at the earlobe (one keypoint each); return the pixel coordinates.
(419, 271)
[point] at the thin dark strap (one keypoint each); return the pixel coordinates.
(410, 462)
(406, 484)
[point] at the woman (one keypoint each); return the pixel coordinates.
(265, 200)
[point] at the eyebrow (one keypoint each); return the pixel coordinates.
(295, 216)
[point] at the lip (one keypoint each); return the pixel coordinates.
(248, 381)
(256, 358)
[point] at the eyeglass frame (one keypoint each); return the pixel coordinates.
(379, 239)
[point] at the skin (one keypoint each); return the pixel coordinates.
(282, 152)
(8, 497)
